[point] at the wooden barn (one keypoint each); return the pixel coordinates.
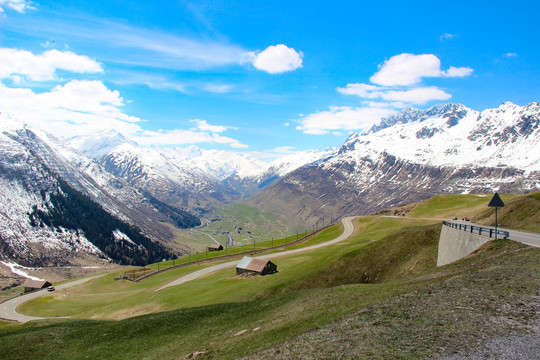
(32, 285)
(215, 247)
(249, 265)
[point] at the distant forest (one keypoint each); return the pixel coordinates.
(70, 209)
(181, 218)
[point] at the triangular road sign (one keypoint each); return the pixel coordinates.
(496, 201)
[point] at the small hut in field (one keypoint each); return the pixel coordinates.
(215, 247)
(249, 265)
(32, 285)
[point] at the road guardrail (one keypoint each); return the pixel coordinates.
(480, 230)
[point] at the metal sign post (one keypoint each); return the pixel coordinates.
(496, 202)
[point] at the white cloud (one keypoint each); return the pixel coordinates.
(447, 36)
(81, 107)
(160, 82)
(409, 69)
(342, 118)
(77, 107)
(17, 5)
(14, 62)
(510, 54)
(203, 125)
(362, 90)
(119, 43)
(276, 59)
(184, 137)
(284, 150)
(395, 85)
(217, 88)
(457, 72)
(418, 95)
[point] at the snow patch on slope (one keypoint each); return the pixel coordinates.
(455, 136)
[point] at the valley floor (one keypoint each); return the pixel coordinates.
(375, 295)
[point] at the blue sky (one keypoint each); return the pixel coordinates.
(264, 77)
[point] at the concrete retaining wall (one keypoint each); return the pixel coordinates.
(455, 244)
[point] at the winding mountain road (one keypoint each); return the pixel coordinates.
(8, 309)
(347, 231)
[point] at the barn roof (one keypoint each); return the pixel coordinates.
(249, 263)
(36, 284)
(215, 246)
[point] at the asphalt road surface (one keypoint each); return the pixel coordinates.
(8, 309)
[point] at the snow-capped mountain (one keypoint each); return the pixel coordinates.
(413, 155)
(187, 177)
(58, 207)
(455, 135)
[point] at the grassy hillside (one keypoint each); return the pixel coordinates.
(406, 252)
(521, 212)
(377, 294)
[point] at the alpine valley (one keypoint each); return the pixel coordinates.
(102, 198)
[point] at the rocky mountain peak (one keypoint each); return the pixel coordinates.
(452, 111)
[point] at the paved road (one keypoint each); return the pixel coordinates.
(531, 239)
(348, 230)
(8, 309)
(527, 238)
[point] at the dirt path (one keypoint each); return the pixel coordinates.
(8, 309)
(347, 231)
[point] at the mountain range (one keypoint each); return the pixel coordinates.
(147, 191)
(413, 155)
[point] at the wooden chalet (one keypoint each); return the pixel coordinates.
(249, 265)
(215, 247)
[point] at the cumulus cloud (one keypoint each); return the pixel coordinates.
(203, 125)
(510, 54)
(14, 62)
(395, 85)
(409, 69)
(276, 59)
(17, 5)
(74, 108)
(457, 72)
(81, 107)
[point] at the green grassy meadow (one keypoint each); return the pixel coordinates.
(373, 281)
(246, 224)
